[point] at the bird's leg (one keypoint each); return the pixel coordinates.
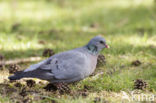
(62, 87)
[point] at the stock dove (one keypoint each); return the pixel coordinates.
(68, 66)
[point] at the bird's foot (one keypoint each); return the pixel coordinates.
(62, 87)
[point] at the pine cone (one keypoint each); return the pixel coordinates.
(63, 88)
(1, 57)
(14, 68)
(42, 42)
(23, 92)
(101, 61)
(136, 63)
(140, 84)
(15, 26)
(48, 52)
(94, 25)
(30, 83)
(18, 85)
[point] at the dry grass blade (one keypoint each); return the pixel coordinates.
(18, 61)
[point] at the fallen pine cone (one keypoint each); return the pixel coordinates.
(63, 88)
(23, 92)
(13, 68)
(1, 57)
(18, 85)
(48, 52)
(136, 63)
(101, 61)
(30, 83)
(94, 25)
(42, 42)
(140, 84)
(15, 26)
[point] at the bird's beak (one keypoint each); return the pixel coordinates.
(107, 46)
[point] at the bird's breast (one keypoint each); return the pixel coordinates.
(91, 64)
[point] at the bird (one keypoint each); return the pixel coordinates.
(66, 67)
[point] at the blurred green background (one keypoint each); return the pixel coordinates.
(27, 27)
(66, 24)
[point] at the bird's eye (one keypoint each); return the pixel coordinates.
(101, 42)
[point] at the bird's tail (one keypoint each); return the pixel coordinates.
(38, 73)
(18, 75)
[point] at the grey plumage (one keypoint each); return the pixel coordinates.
(69, 66)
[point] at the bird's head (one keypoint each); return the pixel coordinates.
(96, 44)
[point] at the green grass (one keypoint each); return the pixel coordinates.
(127, 25)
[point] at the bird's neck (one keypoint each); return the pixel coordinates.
(92, 49)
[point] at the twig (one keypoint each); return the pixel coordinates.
(18, 61)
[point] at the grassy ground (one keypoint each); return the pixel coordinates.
(127, 25)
